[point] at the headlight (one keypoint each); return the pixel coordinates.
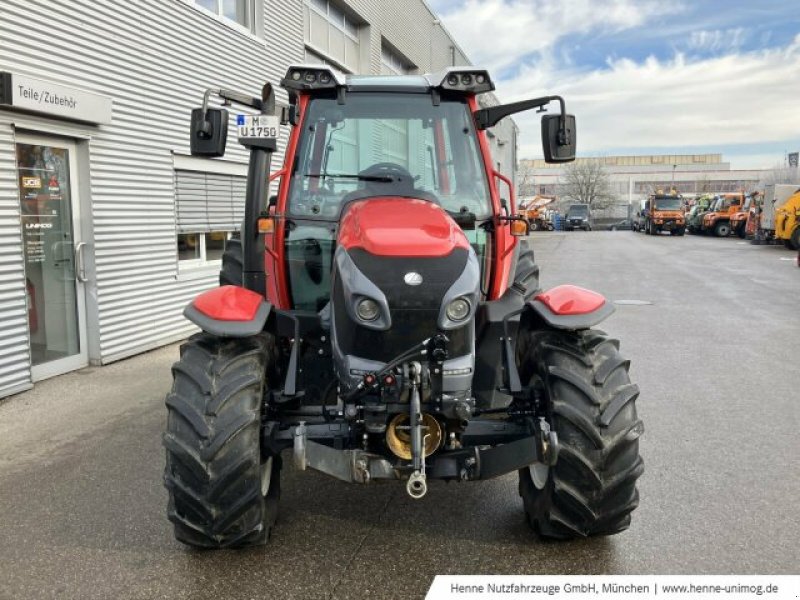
(458, 310)
(367, 310)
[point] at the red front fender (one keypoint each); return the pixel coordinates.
(571, 307)
(229, 311)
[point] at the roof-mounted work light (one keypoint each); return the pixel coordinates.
(312, 77)
(462, 79)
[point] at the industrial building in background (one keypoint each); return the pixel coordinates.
(632, 178)
(108, 227)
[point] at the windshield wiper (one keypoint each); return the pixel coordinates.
(379, 178)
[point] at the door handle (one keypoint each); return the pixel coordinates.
(80, 269)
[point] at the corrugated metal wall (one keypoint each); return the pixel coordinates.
(14, 359)
(154, 58)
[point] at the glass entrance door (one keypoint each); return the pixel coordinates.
(54, 271)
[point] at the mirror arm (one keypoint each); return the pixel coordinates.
(489, 117)
(261, 104)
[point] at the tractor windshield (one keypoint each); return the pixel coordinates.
(387, 144)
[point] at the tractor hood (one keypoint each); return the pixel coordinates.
(394, 226)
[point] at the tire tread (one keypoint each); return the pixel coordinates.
(592, 487)
(212, 443)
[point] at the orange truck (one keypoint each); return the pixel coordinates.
(739, 219)
(663, 212)
(535, 212)
(718, 221)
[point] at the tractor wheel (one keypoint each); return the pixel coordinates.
(223, 487)
(652, 229)
(584, 382)
(795, 239)
(232, 262)
(722, 229)
(526, 276)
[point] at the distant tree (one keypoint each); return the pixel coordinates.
(525, 185)
(587, 182)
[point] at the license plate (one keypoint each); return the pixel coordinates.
(257, 126)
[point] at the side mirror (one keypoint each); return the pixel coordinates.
(209, 135)
(558, 141)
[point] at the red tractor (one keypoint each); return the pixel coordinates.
(380, 318)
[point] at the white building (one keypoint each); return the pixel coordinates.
(108, 228)
(633, 178)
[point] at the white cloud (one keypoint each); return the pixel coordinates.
(498, 33)
(740, 98)
(709, 93)
(717, 40)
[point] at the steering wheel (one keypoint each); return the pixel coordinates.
(400, 175)
(393, 171)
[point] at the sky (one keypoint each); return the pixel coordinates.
(646, 76)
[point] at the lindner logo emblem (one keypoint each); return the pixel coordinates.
(413, 278)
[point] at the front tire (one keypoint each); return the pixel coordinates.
(526, 274)
(223, 487)
(795, 239)
(722, 229)
(584, 381)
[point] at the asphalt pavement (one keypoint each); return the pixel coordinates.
(710, 325)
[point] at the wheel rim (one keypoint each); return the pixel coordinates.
(539, 474)
(266, 476)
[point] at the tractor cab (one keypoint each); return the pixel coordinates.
(406, 139)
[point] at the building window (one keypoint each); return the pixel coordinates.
(238, 12)
(332, 34)
(209, 207)
(198, 249)
(392, 62)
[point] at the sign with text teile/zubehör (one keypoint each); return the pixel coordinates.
(22, 92)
